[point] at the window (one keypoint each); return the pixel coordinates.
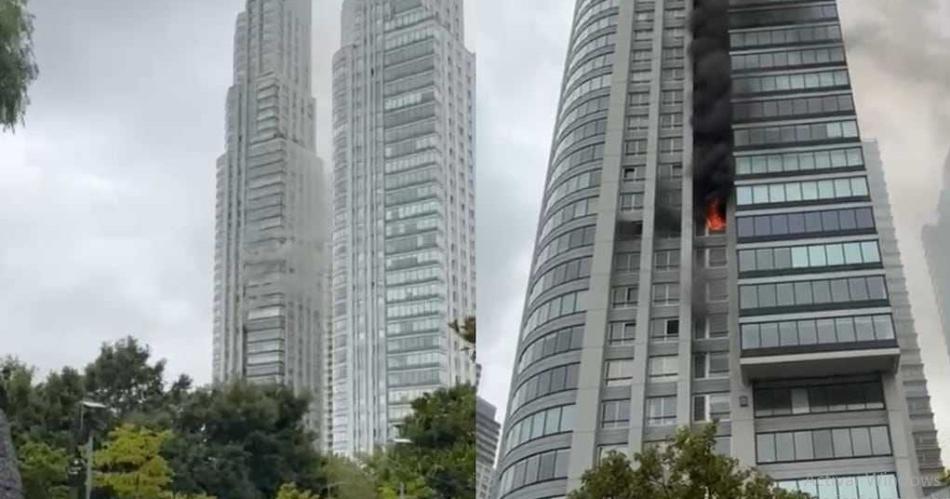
(711, 326)
(666, 294)
(670, 171)
(627, 261)
(810, 256)
(640, 98)
(787, 82)
(806, 224)
(547, 422)
(796, 134)
(615, 414)
(830, 159)
(672, 97)
(835, 443)
(636, 147)
(819, 398)
(671, 121)
(772, 36)
(539, 467)
(638, 122)
(642, 55)
(832, 330)
(666, 260)
(622, 333)
(793, 107)
(631, 201)
(665, 329)
(663, 368)
(813, 294)
(798, 192)
(572, 270)
(671, 145)
(577, 238)
(876, 486)
(566, 304)
(634, 173)
(716, 291)
(661, 411)
(618, 372)
(711, 407)
(782, 15)
(711, 365)
(789, 58)
(554, 343)
(546, 382)
(625, 296)
(713, 258)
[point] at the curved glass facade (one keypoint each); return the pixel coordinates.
(647, 309)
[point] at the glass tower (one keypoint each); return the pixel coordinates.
(708, 250)
(403, 214)
(269, 213)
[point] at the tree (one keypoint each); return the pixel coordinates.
(43, 470)
(347, 480)
(17, 66)
(290, 491)
(438, 461)
(130, 465)
(241, 434)
(687, 468)
(122, 378)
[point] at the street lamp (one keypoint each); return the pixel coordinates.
(92, 405)
(401, 441)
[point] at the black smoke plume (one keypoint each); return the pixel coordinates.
(713, 163)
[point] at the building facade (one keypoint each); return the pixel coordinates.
(486, 440)
(403, 214)
(271, 209)
(710, 249)
(936, 239)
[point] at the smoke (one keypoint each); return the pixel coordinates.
(713, 163)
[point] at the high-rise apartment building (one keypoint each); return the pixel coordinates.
(936, 239)
(486, 445)
(270, 211)
(403, 213)
(708, 250)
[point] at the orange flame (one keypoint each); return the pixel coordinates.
(715, 218)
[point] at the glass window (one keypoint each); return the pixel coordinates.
(841, 438)
(861, 441)
(821, 440)
(803, 445)
(765, 447)
(880, 441)
(784, 447)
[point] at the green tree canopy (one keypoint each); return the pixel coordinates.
(17, 66)
(43, 470)
(437, 457)
(687, 468)
(130, 465)
(290, 491)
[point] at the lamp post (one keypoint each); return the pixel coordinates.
(401, 441)
(83, 405)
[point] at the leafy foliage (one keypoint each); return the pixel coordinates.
(290, 491)
(347, 480)
(438, 461)
(688, 468)
(43, 471)
(130, 465)
(17, 66)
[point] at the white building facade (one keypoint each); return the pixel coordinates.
(270, 212)
(403, 214)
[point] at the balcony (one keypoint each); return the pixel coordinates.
(819, 347)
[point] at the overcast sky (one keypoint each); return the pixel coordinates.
(107, 195)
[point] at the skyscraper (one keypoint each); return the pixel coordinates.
(270, 209)
(486, 440)
(708, 250)
(403, 213)
(936, 239)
